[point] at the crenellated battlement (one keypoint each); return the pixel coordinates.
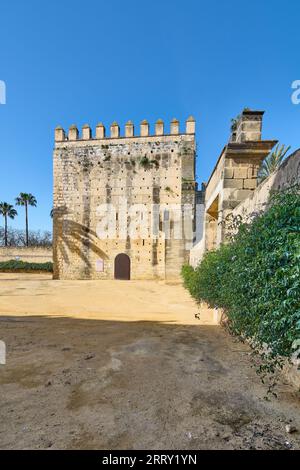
(129, 131)
(139, 179)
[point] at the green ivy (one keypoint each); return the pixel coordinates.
(256, 277)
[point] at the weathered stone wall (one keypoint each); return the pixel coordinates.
(197, 253)
(89, 172)
(233, 179)
(30, 254)
(286, 176)
(215, 182)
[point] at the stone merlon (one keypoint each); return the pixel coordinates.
(129, 131)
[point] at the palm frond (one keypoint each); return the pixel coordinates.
(272, 162)
(26, 199)
(7, 210)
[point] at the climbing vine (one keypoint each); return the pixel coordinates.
(255, 278)
(146, 163)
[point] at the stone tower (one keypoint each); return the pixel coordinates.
(123, 205)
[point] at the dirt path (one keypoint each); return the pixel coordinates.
(125, 365)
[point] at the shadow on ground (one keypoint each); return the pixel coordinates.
(82, 383)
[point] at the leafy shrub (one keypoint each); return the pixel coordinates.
(256, 277)
(23, 266)
(146, 163)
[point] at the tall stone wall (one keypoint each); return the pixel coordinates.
(233, 179)
(31, 254)
(97, 176)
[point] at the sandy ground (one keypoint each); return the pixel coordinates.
(125, 365)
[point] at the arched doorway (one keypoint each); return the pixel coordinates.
(122, 267)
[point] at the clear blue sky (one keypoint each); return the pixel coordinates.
(86, 61)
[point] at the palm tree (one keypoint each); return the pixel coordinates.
(26, 199)
(7, 210)
(272, 162)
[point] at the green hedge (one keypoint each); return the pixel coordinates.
(256, 277)
(23, 266)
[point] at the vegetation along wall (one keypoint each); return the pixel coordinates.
(255, 276)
